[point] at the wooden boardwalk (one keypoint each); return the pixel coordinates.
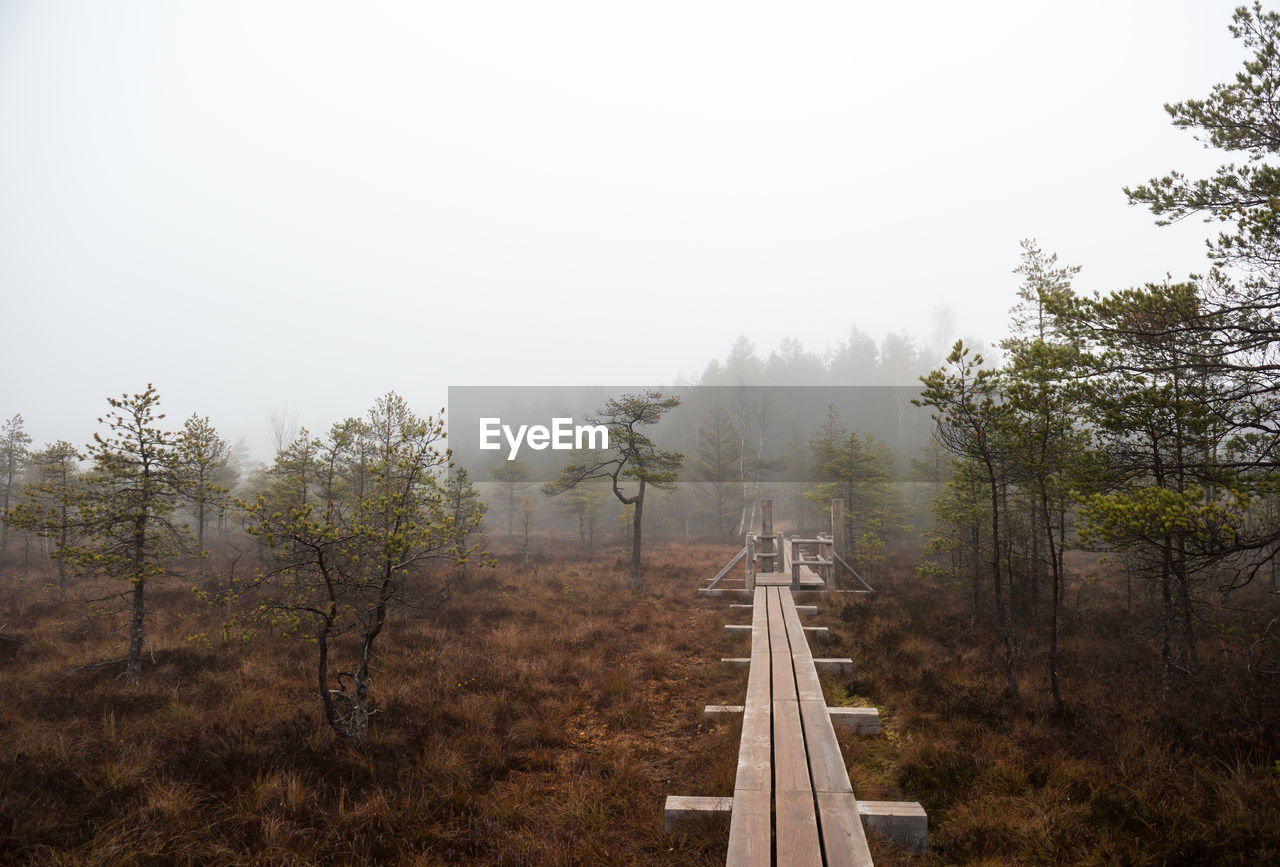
(793, 802)
(789, 754)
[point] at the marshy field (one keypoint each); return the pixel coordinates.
(541, 714)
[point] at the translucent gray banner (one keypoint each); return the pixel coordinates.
(771, 431)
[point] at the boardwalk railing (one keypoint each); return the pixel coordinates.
(773, 559)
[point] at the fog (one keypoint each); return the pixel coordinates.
(299, 206)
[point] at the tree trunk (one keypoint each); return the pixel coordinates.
(62, 546)
(134, 669)
(8, 487)
(200, 552)
(1184, 601)
(977, 583)
(134, 665)
(1166, 630)
(635, 538)
(1002, 606)
(1056, 579)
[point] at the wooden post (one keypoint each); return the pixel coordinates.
(837, 539)
(751, 561)
(770, 544)
(825, 546)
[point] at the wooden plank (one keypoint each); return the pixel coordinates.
(826, 763)
(681, 809)
(755, 750)
(796, 633)
(755, 753)
(843, 838)
(808, 686)
(777, 625)
(750, 841)
(736, 629)
(784, 678)
(735, 661)
(797, 829)
(723, 711)
(790, 763)
(759, 599)
(759, 637)
(902, 821)
(725, 571)
(837, 666)
(863, 720)
(768, 564)
(759, 681)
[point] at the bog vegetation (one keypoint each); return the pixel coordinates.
(359, 651)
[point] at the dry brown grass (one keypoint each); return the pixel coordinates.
(542, 716)
(537, 718)
(1119, 779)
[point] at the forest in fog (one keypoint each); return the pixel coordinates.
(381, 644)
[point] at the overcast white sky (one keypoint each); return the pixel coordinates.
(301, 205)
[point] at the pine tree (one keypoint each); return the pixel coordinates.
(633, 457)
(14, 441)
(971, 422)
(718, 460)
(204, 458)
(49, 504)
(341, 563)
(126, 507)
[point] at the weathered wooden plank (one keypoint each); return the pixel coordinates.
(808, 686)
(725, 571)
(843, 838)
(790, 763)
(722, 711)
(733, 629)
(834, 666)
(735, 661)
(797, 829)
(784, 678)
(750, 828)
(863, 720)
(755, 750)
(796, 633)
(681, 809)
(807, 610)
(759, 685)
(777, 624)
(759, 637)
(903, 821)
(826, 763)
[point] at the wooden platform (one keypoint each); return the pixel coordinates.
(793, 802)
(789, 754)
